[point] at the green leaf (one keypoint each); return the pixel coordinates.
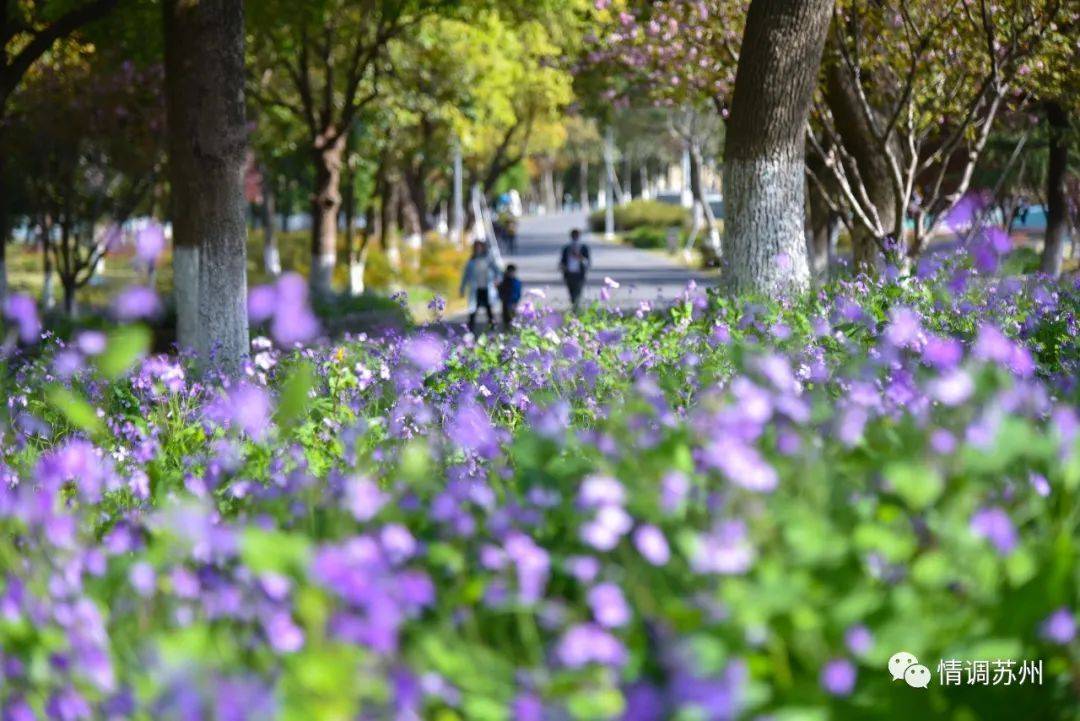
(917, 484)
(894, 544)
(273, 551)
(592, 704)
(294, 399)
(75, 409)
(126, 345)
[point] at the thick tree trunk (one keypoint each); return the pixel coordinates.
(204, 61)
(417, 193)
(764, 158)
(328, 151)
(271, 252)
(1057, 202)
(69, 298)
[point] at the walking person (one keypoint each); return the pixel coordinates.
(509, 294)
(478, 280)
(574, 263)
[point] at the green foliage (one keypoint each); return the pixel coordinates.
(640, 213)
(651, 237)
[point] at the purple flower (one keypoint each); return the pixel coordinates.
(597, 491)
(952, 388)
(725, 550)
(992, 345)
(91, 342)
(284, 635)
(424, 351)
(250, 409)
(143, 578)
(20, 309)
(533, 566)
(363, 498)
(286, 306)
(1039, 483)
(398, 544)
(262, 300)
(583, 568)
(904, 328)
(136, 302)
(68, 705)
(150, 243)
(588, 643)
(644, 702)
(838, 677)
(942, 353)
(609, 605)
(858, 639)
(17, 709)
(651, 544)
(1059, 627)
(674, 488)
(742, 464)
(471, 429)
(994, 525)
(610, 524)
(527, 707)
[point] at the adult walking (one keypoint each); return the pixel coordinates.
(479, 280)
(574, 263)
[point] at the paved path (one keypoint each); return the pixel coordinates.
(642, 275)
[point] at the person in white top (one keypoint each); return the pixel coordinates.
(479, 279)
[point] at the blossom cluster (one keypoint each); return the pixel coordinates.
(720, 509)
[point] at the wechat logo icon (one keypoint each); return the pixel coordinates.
(904, 666)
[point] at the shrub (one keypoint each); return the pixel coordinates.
(647, 237)
(638, 213)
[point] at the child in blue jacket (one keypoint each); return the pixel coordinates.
(509, 294)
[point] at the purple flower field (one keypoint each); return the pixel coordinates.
(717, 510)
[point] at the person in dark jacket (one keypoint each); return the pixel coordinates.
(574, 263)
(509, 294)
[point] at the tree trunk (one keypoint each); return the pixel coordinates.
(857, 136)
(271, 252)
(697, 187)
(1057, 201)
(328, 151)
(48, 279)
(389, 214)
(358, 253)
(823, 230)
(4, 230)
(69, 298)
(764, 158)
(204, 62)
(583, 180)
(417, 193)
(548, 186)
